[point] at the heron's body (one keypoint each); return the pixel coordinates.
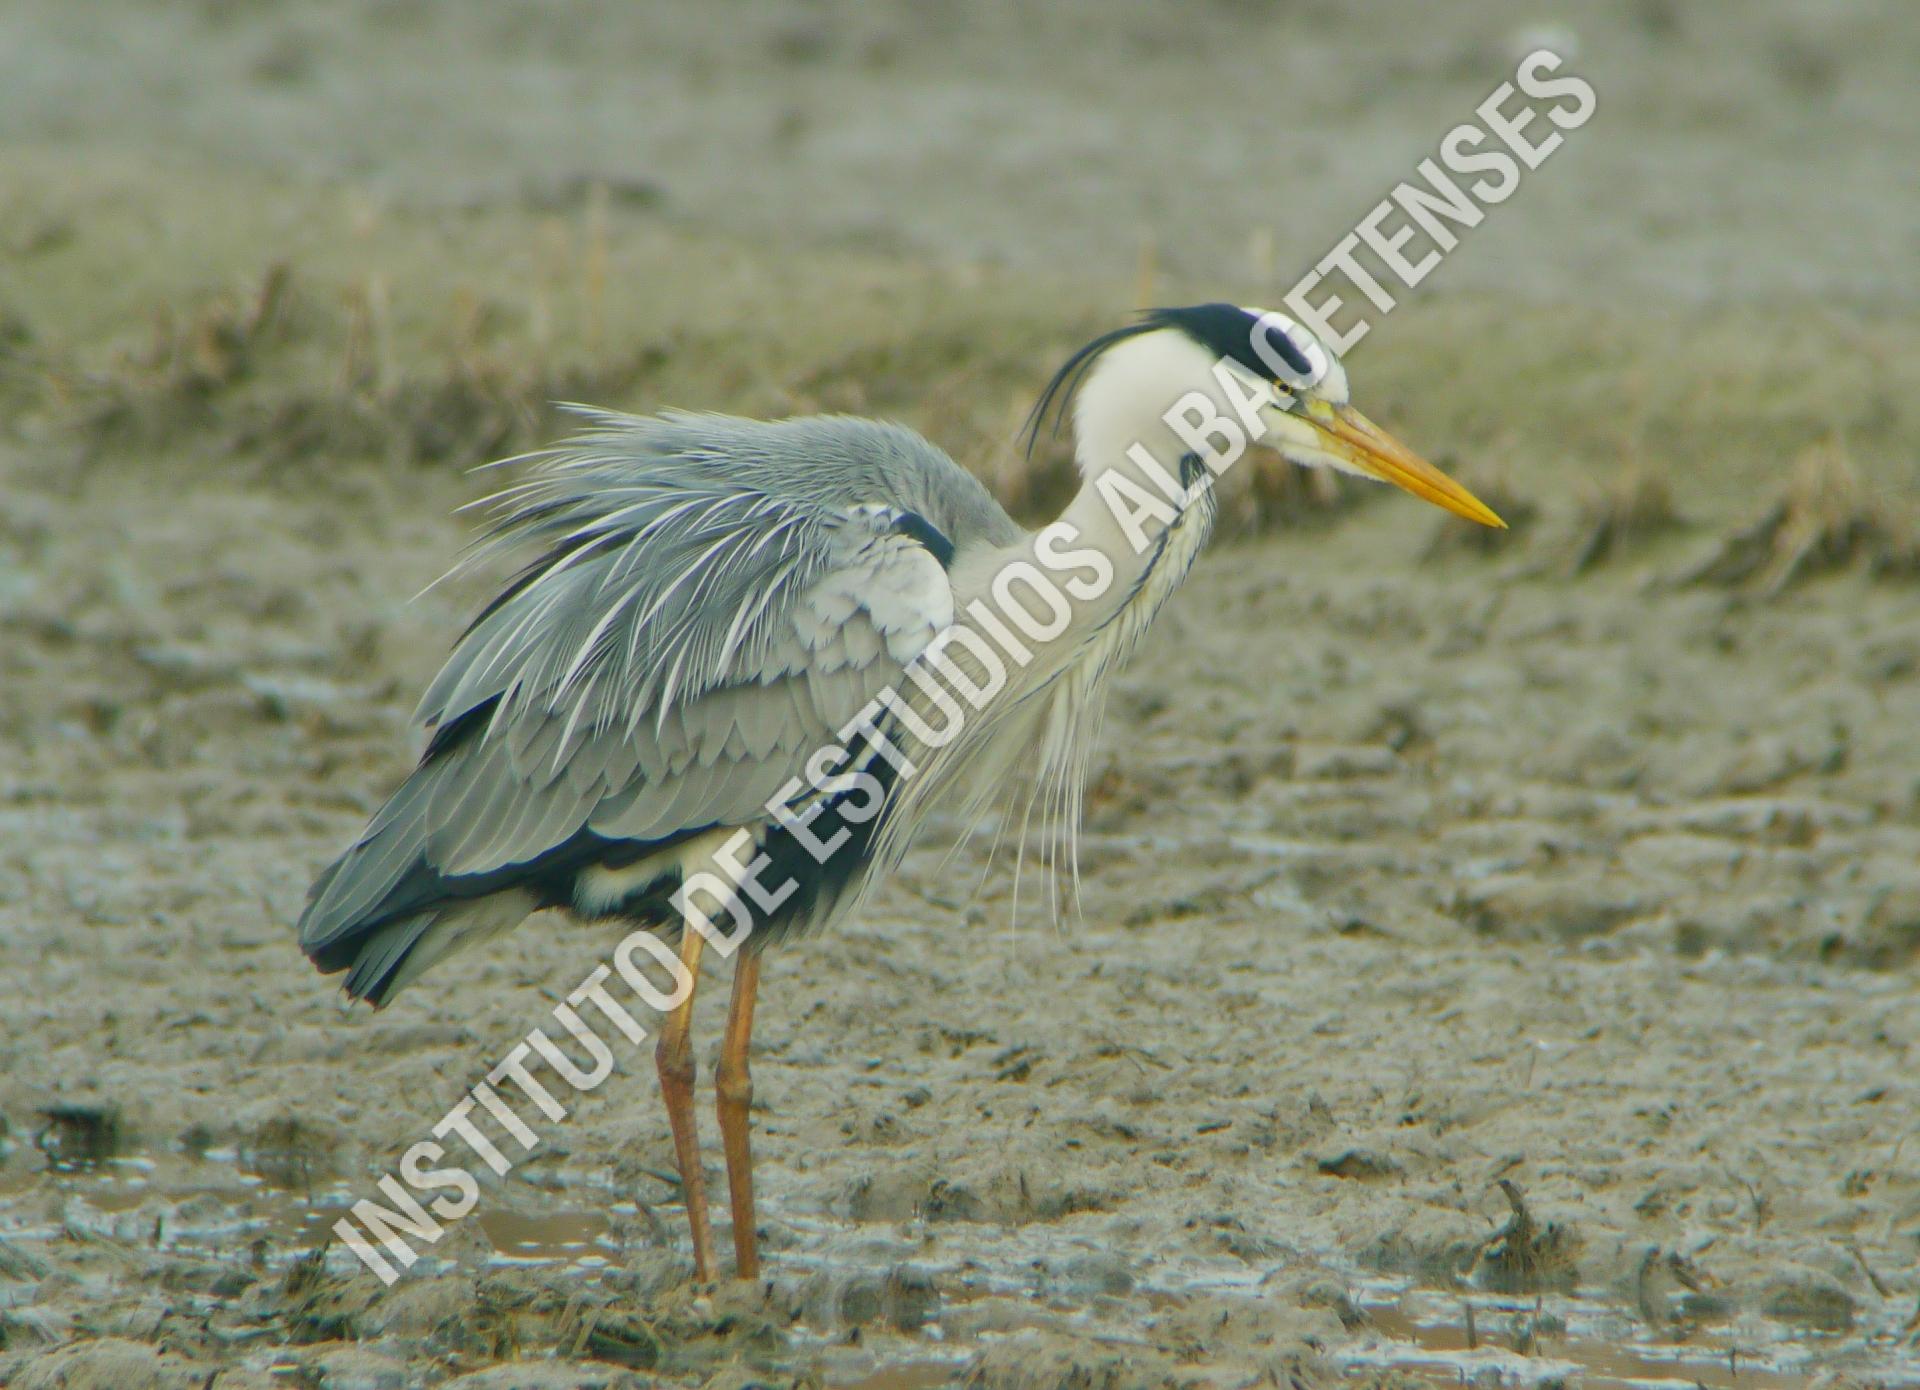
(632, 698)
(715, 601)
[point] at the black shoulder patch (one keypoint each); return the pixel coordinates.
(917, 527)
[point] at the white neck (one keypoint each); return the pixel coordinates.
(1121, 405)
(1118, 413)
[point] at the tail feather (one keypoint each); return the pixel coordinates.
(382, 953)
(383, 958)
(361, 883)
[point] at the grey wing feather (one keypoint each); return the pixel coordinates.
(718, 598)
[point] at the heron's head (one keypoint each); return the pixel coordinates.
(1257, 371)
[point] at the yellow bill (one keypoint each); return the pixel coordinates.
(1356, 439)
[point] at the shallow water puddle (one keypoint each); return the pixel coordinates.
(579, 1237)
(216, 1206)
(1426, 1334)
(915, 1375)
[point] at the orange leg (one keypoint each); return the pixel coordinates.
(734, 1088)
(673, 1056)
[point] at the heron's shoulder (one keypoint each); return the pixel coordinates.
(918, 476)
(827, 461)
(713, 436)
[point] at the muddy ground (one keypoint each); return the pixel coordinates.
(1496, 959)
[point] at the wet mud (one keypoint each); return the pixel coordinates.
(1496, 958)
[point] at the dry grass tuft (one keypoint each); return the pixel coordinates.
(19, 358)
(1454, 535)
(1636, 506)
(1258, 496)
(192, 357)
(312, 1304)
(286, 374)
(1262, 493)
(1823, 520)
(1035, 486)
(1524, 1256)
(1266, 493)
(80, 1136)
(289, 1153)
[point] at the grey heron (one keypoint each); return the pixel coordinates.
(714, 600)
